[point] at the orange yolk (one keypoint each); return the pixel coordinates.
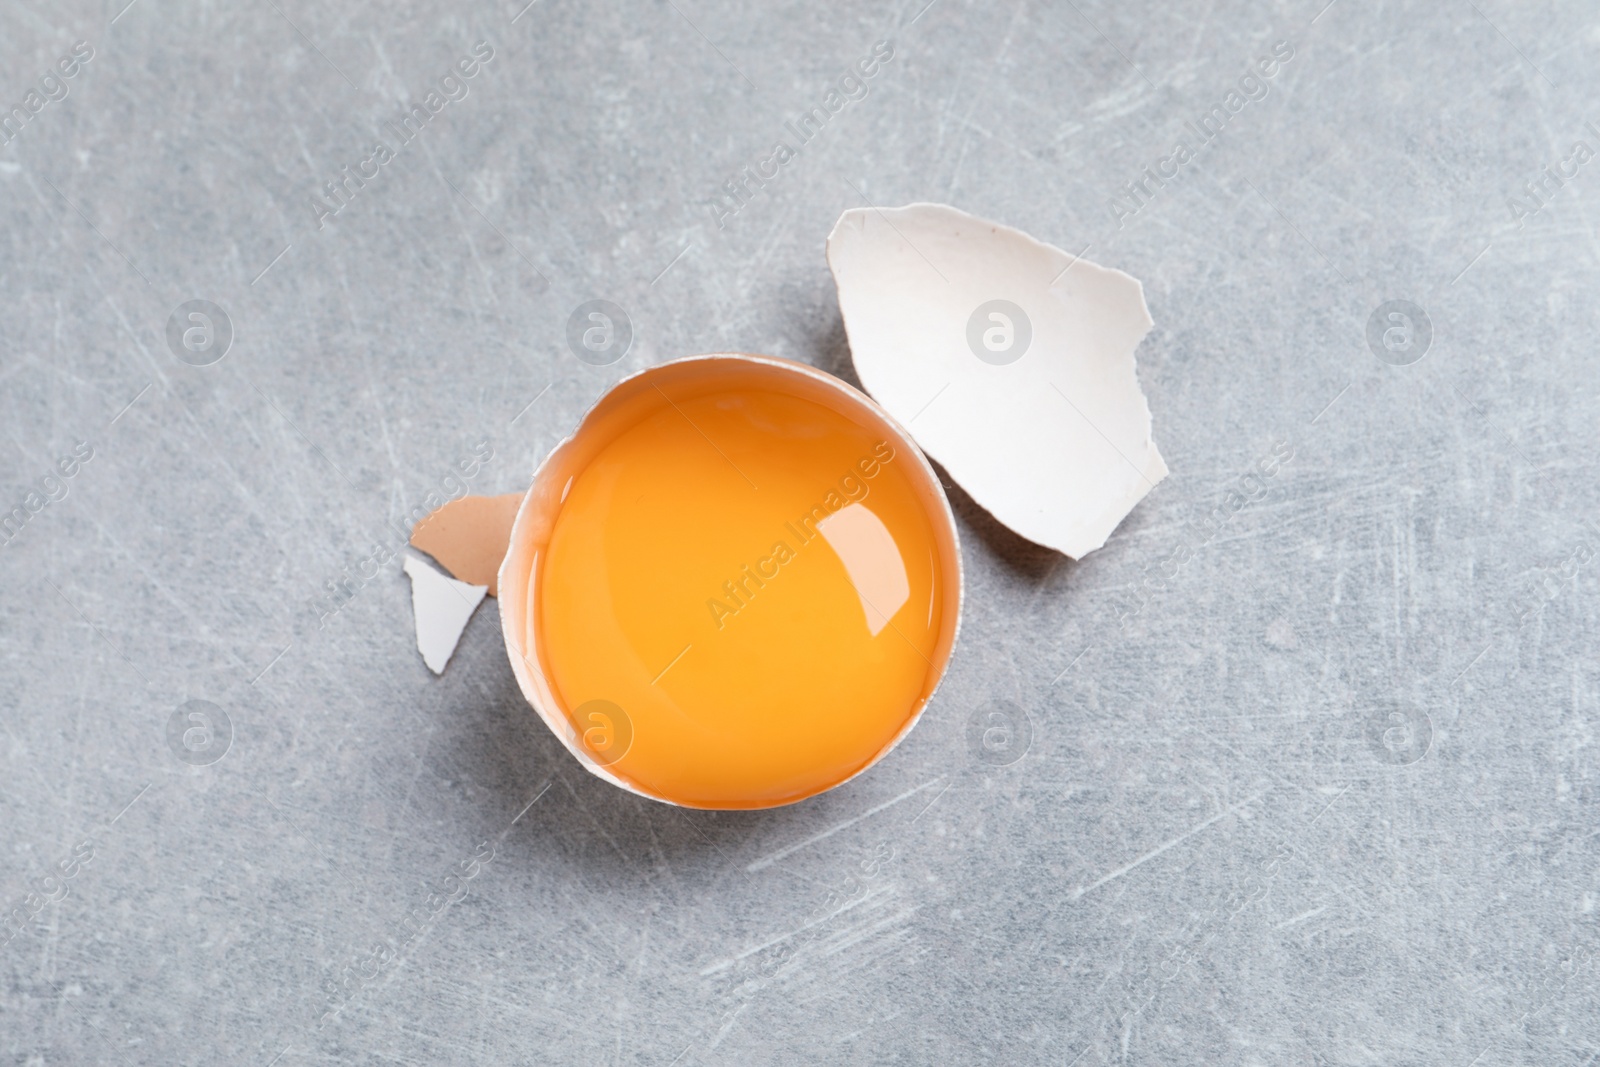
(740, 600)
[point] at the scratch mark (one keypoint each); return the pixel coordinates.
(128, 805)
(1153, 853)
(323, 455)
(932, 802)
(732, 1018)
(1296, 229)
(1468, 400)
(1475, 259)
(1071, 665)
(1325, 808)
(837, 945)
(308, 839)
(528, 405)
(715, 49)
(531, 803)
(129, 404)
(1108, 40)
(1302, 918)
(313, 47)
(97, 630)
(264, 270)
(674, 263)
(767, 861)
(703, 837)
(509, 242)
(98, 1032)
(601, 830)
(722, 965)
(1474, 663)
(1514, 48)
(275, 659)
(1332, 402)
(96, 229)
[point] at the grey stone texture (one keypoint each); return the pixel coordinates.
(1310, 774)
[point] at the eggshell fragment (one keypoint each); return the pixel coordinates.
(1009, 360)
(468, 536)
(442, 607)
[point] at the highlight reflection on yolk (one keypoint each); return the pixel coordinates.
(740, 599)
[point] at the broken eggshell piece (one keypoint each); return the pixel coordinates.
(1009, 360)
(442, 607)
(468, 536)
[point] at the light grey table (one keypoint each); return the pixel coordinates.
(1301, 768)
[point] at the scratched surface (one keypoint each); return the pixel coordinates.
(1299, 769)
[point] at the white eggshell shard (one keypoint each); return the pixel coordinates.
(1009, 360)
(443, 607)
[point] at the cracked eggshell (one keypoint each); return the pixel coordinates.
(1009, 360)
(621, 407)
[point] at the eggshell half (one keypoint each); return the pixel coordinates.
(622, 406)
(1009, 361)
